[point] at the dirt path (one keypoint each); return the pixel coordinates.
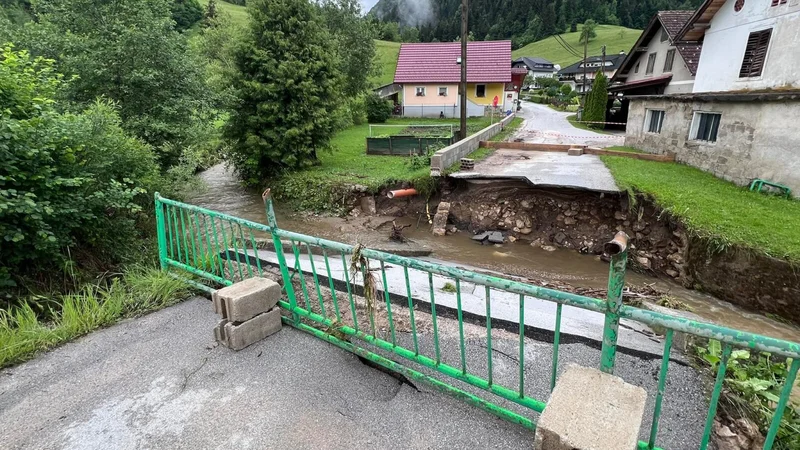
(545, 125)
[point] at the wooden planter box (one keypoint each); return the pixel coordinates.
(403, 145)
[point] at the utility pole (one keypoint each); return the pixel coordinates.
(464, 36)
(603, 67)
(585, 48)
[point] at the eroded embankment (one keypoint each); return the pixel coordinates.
(583, 221)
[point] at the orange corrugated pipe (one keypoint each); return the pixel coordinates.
(402, 193)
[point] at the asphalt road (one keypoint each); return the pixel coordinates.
(545, 125)
(161, 382)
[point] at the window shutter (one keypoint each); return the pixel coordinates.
(755, 54)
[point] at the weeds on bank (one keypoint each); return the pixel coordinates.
(752, 388)
(23, 333)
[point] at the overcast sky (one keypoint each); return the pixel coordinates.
(366, 5)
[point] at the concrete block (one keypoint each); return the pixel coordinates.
(239, 336)
(590, 409)
(246, 299)
(575, 151)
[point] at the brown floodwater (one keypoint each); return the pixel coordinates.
(225, 194)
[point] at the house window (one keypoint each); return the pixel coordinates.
(778, 2)
(653, 121)
(480, 90)
(669, 60)
(420, 91)
(442, 91)
(755, 54)
(705, 126)
(651, 63)
(664, 35)
(636, 67)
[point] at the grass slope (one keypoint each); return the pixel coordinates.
(237, 13)
(729, 215)
(386, 53)
(616, 39)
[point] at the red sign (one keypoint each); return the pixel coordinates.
(495, 101)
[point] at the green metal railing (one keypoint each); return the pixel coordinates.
(220, 249)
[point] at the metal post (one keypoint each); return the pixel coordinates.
(161, 232)
(618, 249)
(272, 221)
(464, 36)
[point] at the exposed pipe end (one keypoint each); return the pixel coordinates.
(401, 193)
(265, 195)
(617, 245)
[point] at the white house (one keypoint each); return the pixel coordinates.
(738, 121)
(658, 62)
(537, 67)
(574, 75)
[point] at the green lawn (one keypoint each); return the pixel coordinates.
(616, 39)
(386, 53)
(713, 208)
(322, 187)
(237, 13)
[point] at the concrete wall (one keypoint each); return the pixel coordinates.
(452, 154)
(449, 111)
(755, 139)
(682, 80)
(726, 39)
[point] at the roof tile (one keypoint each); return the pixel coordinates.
(487, 62)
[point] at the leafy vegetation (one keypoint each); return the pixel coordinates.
(186, 13)
(286, 84)
(23, 334)
(131, 54)
(726, 214)
(594, 109)
(752, 387)
(68, 179)
(615, 38)
(378, 109)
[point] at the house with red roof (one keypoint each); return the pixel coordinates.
(430, 73)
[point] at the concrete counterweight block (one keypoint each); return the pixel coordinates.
(246, 299)
(591, 410)
(575, 151)
(238, 336)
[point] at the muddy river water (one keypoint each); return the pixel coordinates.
(225, 194)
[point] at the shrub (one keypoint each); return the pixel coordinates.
(378, 109)
(68, 180)
(186, 13)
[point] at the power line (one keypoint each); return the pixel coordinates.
(567, 45)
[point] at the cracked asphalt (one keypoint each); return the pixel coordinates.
(160, 381)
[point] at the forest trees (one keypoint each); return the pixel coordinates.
(130, 53)
(287, 84)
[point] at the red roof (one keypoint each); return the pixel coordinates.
(487, 62)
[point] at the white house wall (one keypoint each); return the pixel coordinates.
(755, 139)
(682, 80)
(726, 39)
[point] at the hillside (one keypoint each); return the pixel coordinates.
(386, 54)
(237, 13)
(616, 39)
(521, 21)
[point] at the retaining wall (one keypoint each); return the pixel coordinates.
(452, 154)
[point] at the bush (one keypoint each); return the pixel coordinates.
(67, 180)
(186, 13)
(378, 109)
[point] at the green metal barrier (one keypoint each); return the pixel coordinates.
(219, 249)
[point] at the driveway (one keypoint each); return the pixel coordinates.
(545, 125)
